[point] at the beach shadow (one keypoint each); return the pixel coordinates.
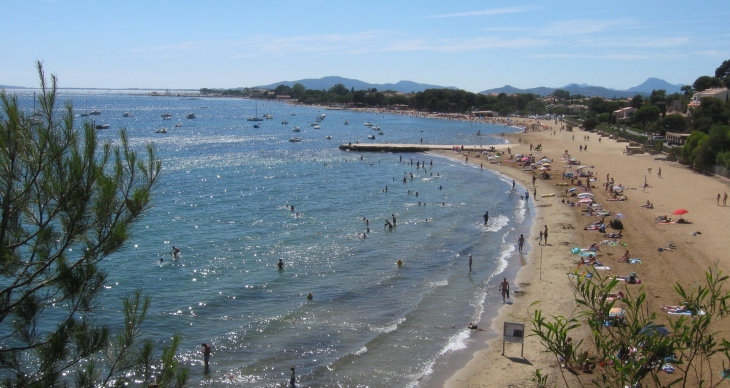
(518, 360)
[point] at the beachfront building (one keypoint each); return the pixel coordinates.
(484, 113)
(624, 113)
(676, 137)
(575, 109)
(721, 93)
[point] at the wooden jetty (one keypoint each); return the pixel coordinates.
(386, 147)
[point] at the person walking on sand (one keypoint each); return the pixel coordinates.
(521, 242)
(545, 234)
(206, 354)
(539, 239)
(718, 199)
(724, 200)
(659, 172)
(504, 287)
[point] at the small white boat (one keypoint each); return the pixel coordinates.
(347, 123)
(166, 116)
(191, 115)
(102, 126)
(257, 125)
(295, 139)
(269, 117)
(329, 137)
(316, 126)
(376, 128)
(368, 124)
(285, 122)
(94, 113)
(371, 136)
(178, 125)
(127, 114)
(322, 116)
(203, 107)
(297, 129)
(161, 130)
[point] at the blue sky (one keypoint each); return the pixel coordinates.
(473, 45)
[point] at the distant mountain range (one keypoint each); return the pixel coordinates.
(596, 91)
(328, 82)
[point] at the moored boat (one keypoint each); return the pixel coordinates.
(295, 139)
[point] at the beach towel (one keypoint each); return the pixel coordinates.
(602, 268)
(634, 261)
(575, 251)
(688, 313)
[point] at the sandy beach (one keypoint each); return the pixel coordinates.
(544, 277)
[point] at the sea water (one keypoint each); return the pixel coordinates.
(235, 199)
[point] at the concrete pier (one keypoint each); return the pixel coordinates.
(372, 147)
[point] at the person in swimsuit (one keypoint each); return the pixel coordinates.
(504, 287)
(280, 264)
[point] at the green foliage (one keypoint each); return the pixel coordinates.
(645, 115)
(673, 123)
(631, 346)
(338, 89)
(711, 111)
(563, 94)
(706, 82)
(67, 203)
(297, 90)
(723, 73)
(688, 90)
(637, 101)
(282, 90)
(692, 142)
(590, 124)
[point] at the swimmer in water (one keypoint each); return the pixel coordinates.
(280, 264)
(175, 251)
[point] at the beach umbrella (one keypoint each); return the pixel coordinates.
(573, 189)
(583, 195)
(680, 212)
(586, 200)
(618, 188)
(546, 164)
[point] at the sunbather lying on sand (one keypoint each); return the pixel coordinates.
(614, 296)
(613, 235)
(675, 309)
(648, 205)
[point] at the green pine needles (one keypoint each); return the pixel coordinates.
(67, 202)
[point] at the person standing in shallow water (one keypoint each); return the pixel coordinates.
(486, 218)
(521, 242)
(293, 378)
(206, 355)
(470, 261)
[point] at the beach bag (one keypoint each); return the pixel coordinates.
(617, 224)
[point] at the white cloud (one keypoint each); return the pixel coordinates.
(486, 12)
(585, 26)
